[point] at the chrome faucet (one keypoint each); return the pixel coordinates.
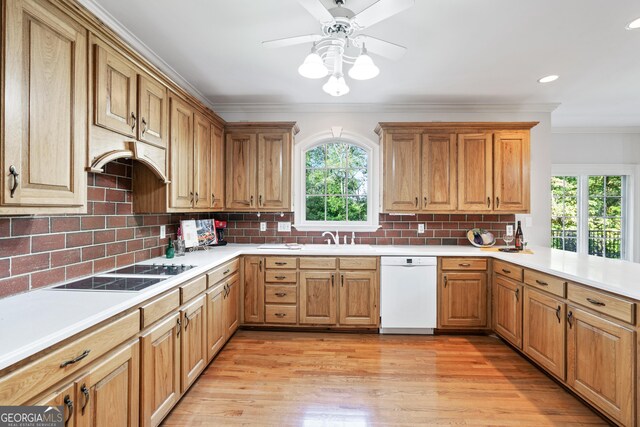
(336, 237)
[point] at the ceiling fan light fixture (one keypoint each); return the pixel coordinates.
(336, 85)
(313, 66)
(364, 68)
(633, 25)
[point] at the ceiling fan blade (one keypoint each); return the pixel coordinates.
(379, 11)
(381, 47)
(315, 8)
(291, 41)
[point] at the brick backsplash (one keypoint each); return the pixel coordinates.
(37, 251)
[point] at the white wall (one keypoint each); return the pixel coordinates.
(364, 123)
(602, 146)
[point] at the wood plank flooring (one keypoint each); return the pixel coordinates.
(331, 379)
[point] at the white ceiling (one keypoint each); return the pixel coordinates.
(459, 52)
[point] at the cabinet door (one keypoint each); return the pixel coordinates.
(317, 298)
(475, 172)
(463, 300)
(253, 289)
(194, 343)
(215, 321)
(543, 336)
(359, 298)
(115, 92)
(217, 167)
(160, 370)
(507, 309)
(152, 111)
(274, 171)
(64, 396)
(181, 154)
(511, 164)
(109, 393)
(241, 171)
(401, 170)
(601, 363)
(202, 162)
(439, 169)
(232, 306)
(45, 107)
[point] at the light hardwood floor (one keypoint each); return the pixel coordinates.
(349, 380)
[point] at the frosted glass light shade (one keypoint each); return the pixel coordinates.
(336, 86)
(363, 68)
(313, 67)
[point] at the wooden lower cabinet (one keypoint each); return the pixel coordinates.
(463, 300)
(253, 289)
(601, 363)
(194, 343)
(160, 370)
(231, 306)
(64, 396)
(317, 298)
(543, 337)
(215, 320)
(359, 296)
(507, 309)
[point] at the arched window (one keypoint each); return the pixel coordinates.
(336, 191)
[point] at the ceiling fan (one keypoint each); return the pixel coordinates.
(340, 42)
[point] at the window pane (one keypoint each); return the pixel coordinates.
(315, 208)
(614, 186)
(316, 181)
(336, 208)
(614, 206)
(570, 223)
(315, 157)
(596, 206)
(337, 155)
(357, 208)
(357, 157)
(336, 181)
(596, 185)
(357, 182)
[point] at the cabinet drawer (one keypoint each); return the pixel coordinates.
(508, 270)
(318, 263)
(157, 309)
(34, 378)
(281, 276)
(551, 284)
(358, 263)
(610, 305)
(193, 288)
(280, 314)
(222, 272)
(280, 294)
(280, 262)
(464, 263)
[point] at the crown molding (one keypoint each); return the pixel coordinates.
(595, 129)
(383, 108)
(138, 45)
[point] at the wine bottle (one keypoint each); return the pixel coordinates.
(518, 241)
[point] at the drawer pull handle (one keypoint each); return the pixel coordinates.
(464, 264)
(85, 392)
(505, 271)
(570, 319)
(226, 271)
(69, 404)
(558, 313)
(280, 263)
(541, 283)
(280, 294)
(596, 302)
(281, 277)
(280, 314)
(75, 359)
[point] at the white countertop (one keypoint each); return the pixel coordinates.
(33, 321)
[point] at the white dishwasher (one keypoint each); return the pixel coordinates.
(408, 302)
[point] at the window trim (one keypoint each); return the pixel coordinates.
(629, 200)
(373, 186)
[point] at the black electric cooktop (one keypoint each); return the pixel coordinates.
(102, 283)
(153, 269)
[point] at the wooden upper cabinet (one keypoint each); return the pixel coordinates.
(181, 154)
(45, 110)
(401, 170)
(241, 171)
(115, 92)
(439, 169)
(217, 167)
(511, 162)
(152, 111)
(475, 172)
(202, 162)
(274, 171)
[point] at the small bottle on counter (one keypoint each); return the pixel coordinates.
(170, 252)
(518, 242)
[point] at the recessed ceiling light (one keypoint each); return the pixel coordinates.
(633, 25)
(548, 79)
